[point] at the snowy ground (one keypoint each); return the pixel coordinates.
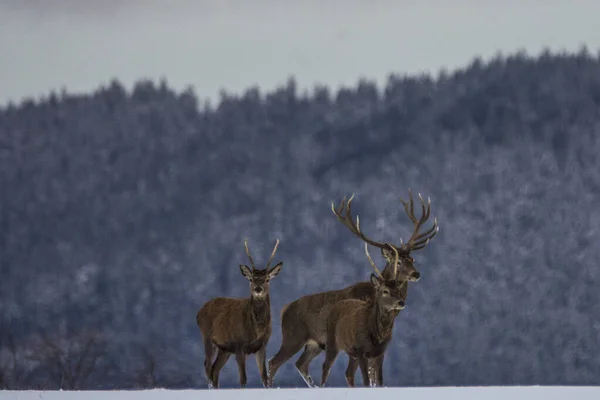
(445, 393)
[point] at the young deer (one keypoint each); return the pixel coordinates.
(239, 326)
(304, 321)
(363, 329)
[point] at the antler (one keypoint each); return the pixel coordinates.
(250, 257)
(273, 253)
(396, 255)
(371, 261)
(418, 240)
(248, 253)
(349, 223)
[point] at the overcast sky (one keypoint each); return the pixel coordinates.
(233, 44)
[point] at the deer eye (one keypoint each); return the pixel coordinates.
(386, 292)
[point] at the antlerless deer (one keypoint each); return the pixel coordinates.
(239, 326)
(304, 321)
(363, 329)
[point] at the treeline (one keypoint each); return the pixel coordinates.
(121, 212)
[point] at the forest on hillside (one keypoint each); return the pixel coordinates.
(123, 211)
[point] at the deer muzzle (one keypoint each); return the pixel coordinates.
(259, 290)
(414, 276)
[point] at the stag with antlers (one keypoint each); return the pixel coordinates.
(417, 240)
(363, 329)
(239, 326)
(304, 321)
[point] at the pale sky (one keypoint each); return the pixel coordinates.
(234, 44)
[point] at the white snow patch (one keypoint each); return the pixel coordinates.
(421, 393)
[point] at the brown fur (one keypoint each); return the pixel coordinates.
(238, 326)
(363, 330)
(303, 321)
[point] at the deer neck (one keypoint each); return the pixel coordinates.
(260, 310)
(388, 271)
(381, 322)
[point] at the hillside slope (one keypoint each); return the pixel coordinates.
(121, 213)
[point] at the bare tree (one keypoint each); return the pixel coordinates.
(71, 360)
(239, 326)
(146, 375)
(12, 370)
(304, 321)
(363, 329)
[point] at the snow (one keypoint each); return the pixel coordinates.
(421, 393)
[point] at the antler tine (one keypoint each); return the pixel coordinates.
(371, 261)
(422, 245)
(409, 207)
(412, 203)
(418, 245)
(396, 255)
(341, 206)
(348, 221)
(339, 211)
(248, 253)
(425, 212)
(419, 240)
(273, 253)
(426, 236)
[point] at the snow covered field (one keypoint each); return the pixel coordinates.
(445, 393)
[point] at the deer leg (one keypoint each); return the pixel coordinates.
(290, 345)
(208, 356)
(222, 357)
(351, 370)
(311, 350)
(378, 363)
(241, 362)
(372, 373)
(363, 363)
(330, 355)
(261, 356)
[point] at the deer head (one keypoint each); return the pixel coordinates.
(259, 278)
(388, 293)
(404, 268)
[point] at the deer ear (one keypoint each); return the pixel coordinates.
(386, 253)
(375, 280)
(273, 272)
(245, 271)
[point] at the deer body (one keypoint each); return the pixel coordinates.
(363, 329)
(370, 342)
(236, 325)
(304, 321)
(239, 326)
(304, 324)
(316, 308)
